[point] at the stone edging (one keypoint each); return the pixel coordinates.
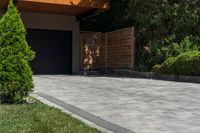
(106, 125)
(151, 75)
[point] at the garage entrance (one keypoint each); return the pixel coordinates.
(53, 51)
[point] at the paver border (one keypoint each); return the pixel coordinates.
(83, 114)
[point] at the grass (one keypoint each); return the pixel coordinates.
(39, 118)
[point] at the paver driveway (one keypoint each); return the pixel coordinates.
(140, 105)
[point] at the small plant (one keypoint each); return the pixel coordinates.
(15, 73)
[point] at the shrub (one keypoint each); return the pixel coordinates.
(187, 63)
(15, 73)
(167, 67)
(156, 68)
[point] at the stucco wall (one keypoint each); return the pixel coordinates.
(56, 22)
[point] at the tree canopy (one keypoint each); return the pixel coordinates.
(161, 26)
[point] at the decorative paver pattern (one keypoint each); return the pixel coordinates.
(140, 105)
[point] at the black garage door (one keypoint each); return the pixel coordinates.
(53, 51)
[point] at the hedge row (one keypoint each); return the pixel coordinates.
(187, 64)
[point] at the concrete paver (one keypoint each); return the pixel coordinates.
(140, 105)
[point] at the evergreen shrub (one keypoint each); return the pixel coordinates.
(15, 73)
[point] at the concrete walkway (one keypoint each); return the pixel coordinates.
(138, 105)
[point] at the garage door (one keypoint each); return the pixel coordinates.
(53, 51)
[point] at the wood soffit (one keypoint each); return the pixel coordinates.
(65, 7)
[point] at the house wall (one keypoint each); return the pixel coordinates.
(55, 22)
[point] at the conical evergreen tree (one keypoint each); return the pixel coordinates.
(15, 73)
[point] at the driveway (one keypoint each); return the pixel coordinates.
(138, 105)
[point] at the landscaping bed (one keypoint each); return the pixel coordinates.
(38, 118)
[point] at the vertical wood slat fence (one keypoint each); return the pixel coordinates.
(110, 50)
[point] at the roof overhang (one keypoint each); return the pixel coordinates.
(65, 7)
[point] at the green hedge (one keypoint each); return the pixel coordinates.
(185, 64)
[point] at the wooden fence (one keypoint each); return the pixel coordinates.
(110, 50)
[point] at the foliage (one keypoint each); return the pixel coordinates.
(169, 48)
(116, 17)
(162, 27)
(187, 63)
(15, 54)
(168, 67)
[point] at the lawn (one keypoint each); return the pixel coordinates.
(39, 118)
